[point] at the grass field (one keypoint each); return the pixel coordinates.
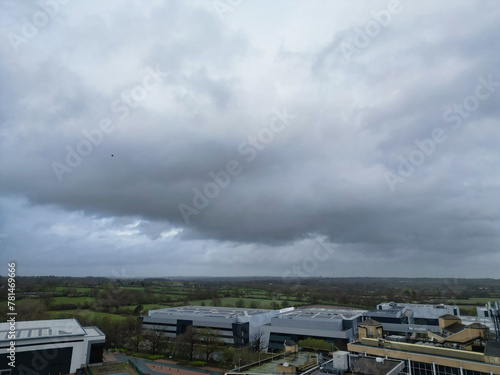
(64, 314)
(160, 295)
(173, 296)
(264, 303)
(149, 306)
(479, 301)
(78, 289)
(74, 300)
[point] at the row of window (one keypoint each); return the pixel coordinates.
(152, 324)
(420, 368)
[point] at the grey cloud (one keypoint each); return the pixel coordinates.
(322, 176)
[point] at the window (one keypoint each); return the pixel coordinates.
(446, 370)
(420, 368)
(470, 372)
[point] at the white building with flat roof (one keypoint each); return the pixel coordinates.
(43, 347)
(236, 326)
(336, 326)
(422, 313)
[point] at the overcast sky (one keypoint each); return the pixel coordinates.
(229, 138)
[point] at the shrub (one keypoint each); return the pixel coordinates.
(154, 357)
(198, 363)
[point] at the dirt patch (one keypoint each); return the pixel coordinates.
(109, 357)
(171, 370)
(209, 368)
(166, 361)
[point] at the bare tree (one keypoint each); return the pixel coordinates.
(156, 339)
(187, 342)
(135, 332)
(275, 305)
(216, 301)
(210, 340)
(258, 340)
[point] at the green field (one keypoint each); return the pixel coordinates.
(78, 289)
(118, 299)
(72, 300)
(64, 314)
(172, 296)
(264, 303)
(480, 301)
(148, 306)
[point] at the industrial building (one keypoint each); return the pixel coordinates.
(335, 326)
(236, 326)
(489, 315)
(424, 314)
(401, 318)
(43, 347)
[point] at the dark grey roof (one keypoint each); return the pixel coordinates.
(290, 343)
(370, 322)
(390, 313)
(455, 327)
(371, 366)
(492, 349)
(449, 317)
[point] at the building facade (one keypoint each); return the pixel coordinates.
(44, 347)
(236, 326)
(335, 326)
(422, 314)
(428, 359)
(400, 318)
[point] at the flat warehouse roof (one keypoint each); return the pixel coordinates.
(207, 311)
(34, 329)
(93, 332)
(391, 312)
(414, 305)
(317, 313)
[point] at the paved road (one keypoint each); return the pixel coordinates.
(142, 365)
